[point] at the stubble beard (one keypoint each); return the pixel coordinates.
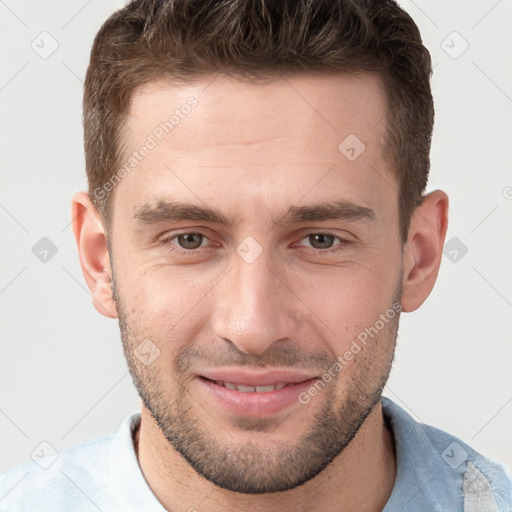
(258, 467)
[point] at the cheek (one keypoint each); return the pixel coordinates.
(349, 299)
(171, 304)
(162, 305)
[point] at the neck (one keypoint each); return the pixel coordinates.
(361, 477)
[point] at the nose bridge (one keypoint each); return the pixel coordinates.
(252, 308)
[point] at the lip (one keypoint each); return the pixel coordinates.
(264, 378)
(254, 404)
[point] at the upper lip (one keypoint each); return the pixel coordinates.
(265, 378)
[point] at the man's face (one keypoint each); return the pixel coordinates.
(270, 290)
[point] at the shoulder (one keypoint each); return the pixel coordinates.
(55, 481)
(485, 483)
(448, 472)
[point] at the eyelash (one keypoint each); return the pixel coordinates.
(187, 252)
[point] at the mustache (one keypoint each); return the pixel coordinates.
(285, 355)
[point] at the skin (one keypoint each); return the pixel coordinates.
(252, 151)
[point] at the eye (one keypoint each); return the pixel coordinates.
(323, 242)
(190, 242)
(186, 243)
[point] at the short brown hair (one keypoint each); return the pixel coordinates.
(256, 40)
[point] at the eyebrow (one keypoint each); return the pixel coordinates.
(168, 211)
(329, 210)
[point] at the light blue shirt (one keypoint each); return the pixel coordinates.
(435, 472)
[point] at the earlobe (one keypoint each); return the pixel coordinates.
(424, 249)
(93, 253)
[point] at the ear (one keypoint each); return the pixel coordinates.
(424, 249)
(92, 250)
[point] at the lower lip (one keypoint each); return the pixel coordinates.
(255, 404)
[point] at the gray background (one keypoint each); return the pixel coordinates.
(63, 378)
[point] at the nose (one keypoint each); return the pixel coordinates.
(254, 306)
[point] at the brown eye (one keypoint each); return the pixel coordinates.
(321, 240)
(190, 240)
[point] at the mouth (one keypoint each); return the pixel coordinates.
(253, 401)
(247, 380)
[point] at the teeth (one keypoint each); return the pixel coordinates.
(245, 389)
(252, 389)
(264, 389)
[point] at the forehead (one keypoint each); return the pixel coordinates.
(220, 139)
(301, 106)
